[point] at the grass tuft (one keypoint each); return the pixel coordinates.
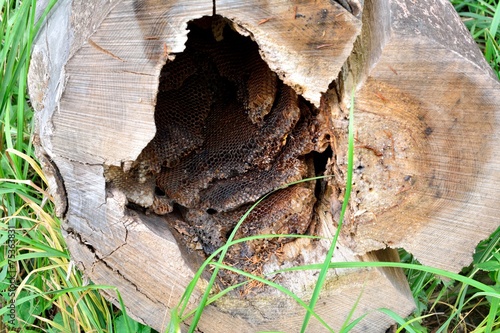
(482, 18)
(40, 289)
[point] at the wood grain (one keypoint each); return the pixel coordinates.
(428, 103)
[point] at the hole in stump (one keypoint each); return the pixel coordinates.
(229, 131)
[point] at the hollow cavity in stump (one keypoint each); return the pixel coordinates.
(228, 131)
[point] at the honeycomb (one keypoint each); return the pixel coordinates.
(228, 131)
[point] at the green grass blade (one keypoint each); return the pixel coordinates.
(493, 29)
(397, 318)
(347, 325)
(213, 299)
(364, 264)
(41, 20)
(352, 324)
(174, 325)
(77, 291)
(21, 95)
(13, 39)
(494, 299)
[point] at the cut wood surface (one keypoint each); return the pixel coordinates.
(426, 168)
(426, 120)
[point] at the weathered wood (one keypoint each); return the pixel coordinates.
(308, 35)
(94, 79)
(427, 131)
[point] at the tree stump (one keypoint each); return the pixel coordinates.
(145, 194)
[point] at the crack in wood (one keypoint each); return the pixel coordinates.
(101, 49)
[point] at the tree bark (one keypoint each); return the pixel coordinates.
(426, 171)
